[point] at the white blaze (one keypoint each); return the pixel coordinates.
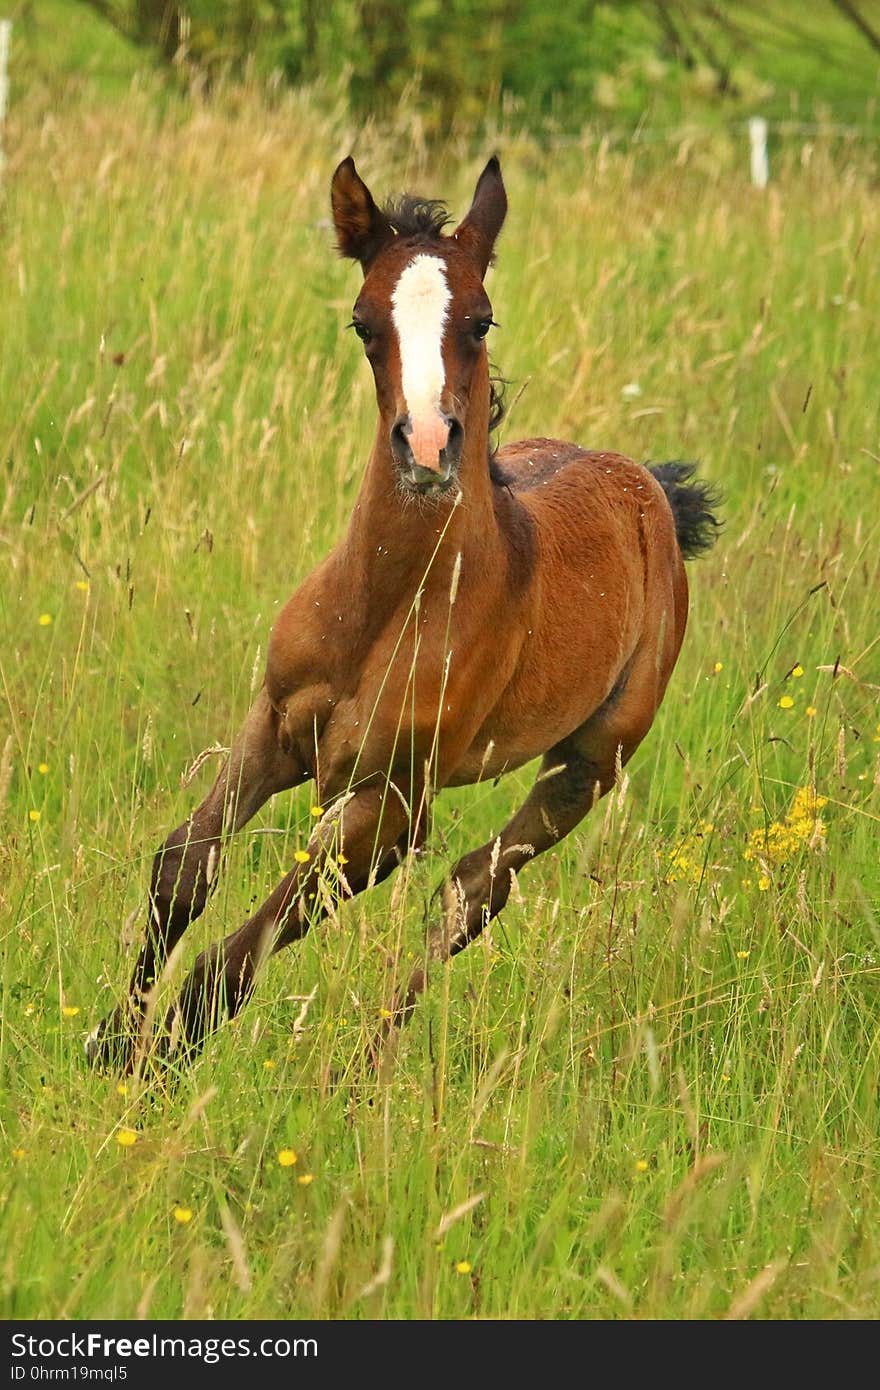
(418, 308)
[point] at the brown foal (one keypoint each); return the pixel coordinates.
(481, 610)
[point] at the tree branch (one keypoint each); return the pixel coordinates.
(848, 9)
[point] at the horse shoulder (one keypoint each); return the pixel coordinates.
(303, 656)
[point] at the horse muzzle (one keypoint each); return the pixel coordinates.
(427, 452)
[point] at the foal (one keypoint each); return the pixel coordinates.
(481, 610)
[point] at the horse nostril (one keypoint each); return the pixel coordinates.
(400, 432)
(454, 439)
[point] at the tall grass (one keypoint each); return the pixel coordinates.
(651, 1089)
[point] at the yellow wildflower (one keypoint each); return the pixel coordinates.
(782, 839)
(743, 955)
(287, 1157)
(462, 1267)
(301, 856)
(806, 803)
(42, 768)
(786, 702)
(305, 1178)
(19, 1153)
(797, 671)
(719, 666)
(811, 711)
(641, 1165)
(686, 858)
(44, 619)
(317, 810)
(183, 1215)
(121, 1088)
(763, 883)
(33, 816)
(268, 1065)
(82, 585)
(385, 1013)
(126, 1137)
(70, 1010)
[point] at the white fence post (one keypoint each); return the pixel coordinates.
(5, 38)
(758, 139)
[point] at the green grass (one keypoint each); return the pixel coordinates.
(64, 45)
(655, 1080)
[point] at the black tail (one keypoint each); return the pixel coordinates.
(696, 525)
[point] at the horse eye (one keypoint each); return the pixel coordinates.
(361, 330)
(481, 327)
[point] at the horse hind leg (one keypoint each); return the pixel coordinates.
(186, 869)
(575, 774)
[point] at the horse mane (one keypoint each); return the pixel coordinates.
(420, 218)
(497, 407)
(497, 404)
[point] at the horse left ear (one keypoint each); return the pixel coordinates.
(478, 232)
(361, 228)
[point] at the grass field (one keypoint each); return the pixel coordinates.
(652, 1090)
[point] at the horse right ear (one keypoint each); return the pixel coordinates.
(361, 229)
(479, 230)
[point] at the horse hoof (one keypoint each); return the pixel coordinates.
(98, 1046)
(109, 1047)
(92, 1044)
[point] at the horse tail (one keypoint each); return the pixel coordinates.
(692, 503)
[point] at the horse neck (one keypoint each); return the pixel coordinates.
(396, 543)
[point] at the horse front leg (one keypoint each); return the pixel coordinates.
(358, 842)
(185, 871)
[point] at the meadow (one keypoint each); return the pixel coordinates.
(651, 1090)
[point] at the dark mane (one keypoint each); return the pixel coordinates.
(497, 407)
(497, 404)
(411, 216)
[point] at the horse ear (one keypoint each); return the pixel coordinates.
(479, 230)
(361, 229)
